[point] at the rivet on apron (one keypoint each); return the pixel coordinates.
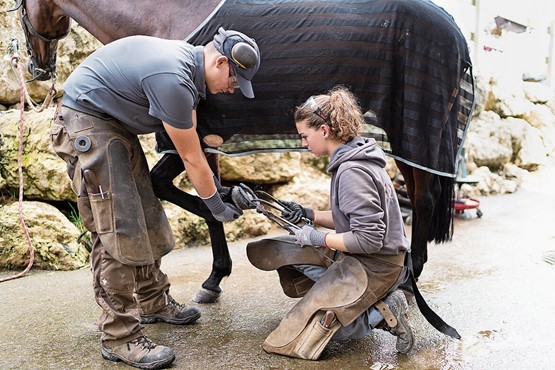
(82, 143)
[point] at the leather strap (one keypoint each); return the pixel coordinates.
(429, 314)
(388, 316)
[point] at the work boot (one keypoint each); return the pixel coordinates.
(140, 352)
(173, 313)
(397, 303)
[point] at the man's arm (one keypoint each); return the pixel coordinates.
(188, 146)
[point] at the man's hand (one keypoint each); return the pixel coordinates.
(221, 210)
(224, 191)
(308, 235)
(241, 199)
(230, 213)
(295, 212)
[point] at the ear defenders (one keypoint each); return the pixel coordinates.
(234, 45)
(244, 55)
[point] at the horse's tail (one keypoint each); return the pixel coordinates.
(442, 228)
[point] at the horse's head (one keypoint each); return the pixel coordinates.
(43, 23)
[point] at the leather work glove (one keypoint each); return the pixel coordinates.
(309, 236)
(222, 211)
(296, 212)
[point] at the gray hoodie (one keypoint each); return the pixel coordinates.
(363, 201)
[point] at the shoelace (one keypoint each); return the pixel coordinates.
(142, 341)
(174, 303)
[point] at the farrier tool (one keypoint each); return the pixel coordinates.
(264, 203)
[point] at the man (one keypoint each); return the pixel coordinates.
(139, 85)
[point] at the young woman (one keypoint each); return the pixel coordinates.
(348, 280)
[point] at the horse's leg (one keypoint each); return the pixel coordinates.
(423, 189)
(221, 259)
(163, 173)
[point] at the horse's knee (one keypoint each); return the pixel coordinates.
(160, 185)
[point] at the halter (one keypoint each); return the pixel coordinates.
(28, 29)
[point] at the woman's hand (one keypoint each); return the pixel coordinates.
(294, 212)
(309, 236)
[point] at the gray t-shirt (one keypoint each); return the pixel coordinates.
(140, 81)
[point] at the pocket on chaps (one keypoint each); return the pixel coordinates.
(310, 343)
(102, 212)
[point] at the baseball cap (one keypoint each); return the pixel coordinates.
(243, 54)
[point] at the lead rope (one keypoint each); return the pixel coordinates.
(25, 96)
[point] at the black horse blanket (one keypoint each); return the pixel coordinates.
(406, 60)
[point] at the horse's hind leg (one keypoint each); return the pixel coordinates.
(163, 173)
(423, 189)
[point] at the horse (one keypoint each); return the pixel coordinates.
(406, 61)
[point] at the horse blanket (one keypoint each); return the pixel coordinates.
(406, 61)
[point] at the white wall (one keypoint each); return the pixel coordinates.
(522, 55)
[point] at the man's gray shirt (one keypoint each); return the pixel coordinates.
(140, 81)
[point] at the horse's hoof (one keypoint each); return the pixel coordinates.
(206, 296)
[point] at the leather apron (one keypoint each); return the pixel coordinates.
(350, 286)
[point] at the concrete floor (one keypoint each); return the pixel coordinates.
(491, 283)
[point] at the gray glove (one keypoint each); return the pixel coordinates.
(221, 210)
(234, 195)
(296, 212)
(308, 235)
(225, 192)
(241, 199)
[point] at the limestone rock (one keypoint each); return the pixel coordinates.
(491, 183)
(2, 182)
(542, 118)
(263, 168)
(311, 188)
(514, 173)
(191, 230)
(528, 147)
(53, 236)
(537, 92)
(507, 98)
(188, 229)
(482, 89)
(44, 173)
(488, 142)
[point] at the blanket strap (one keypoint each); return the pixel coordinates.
(429, 314)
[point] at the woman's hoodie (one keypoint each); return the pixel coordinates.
(363, 201)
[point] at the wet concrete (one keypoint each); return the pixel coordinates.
(491, 283)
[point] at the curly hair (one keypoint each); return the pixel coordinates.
(338, 108)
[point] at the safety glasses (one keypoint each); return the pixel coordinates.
(315, 108)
